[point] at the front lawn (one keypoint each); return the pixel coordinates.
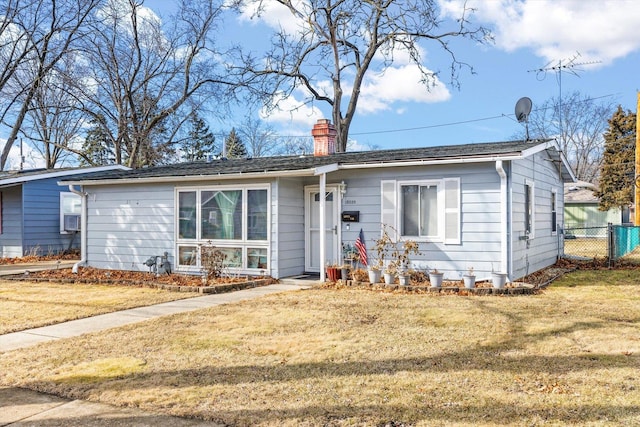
(25, 305)
(567, 356)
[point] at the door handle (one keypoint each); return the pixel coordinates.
(335, 230)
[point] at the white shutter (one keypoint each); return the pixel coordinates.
(452, 211)
(388, 206)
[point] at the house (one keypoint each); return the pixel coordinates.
(490, 206)
(36, 215)
(582, 216)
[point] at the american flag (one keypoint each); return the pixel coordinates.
(362, 249)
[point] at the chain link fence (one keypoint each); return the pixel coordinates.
(586, 242)
(612, 242)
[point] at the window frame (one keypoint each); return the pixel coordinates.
(68, 195)
(246, 245)
(529, 209)
(440, 209)
(554, 212)
(449, 208)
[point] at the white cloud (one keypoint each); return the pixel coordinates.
(293, 113)
(273, 14)
(599, 30)
(398, 84)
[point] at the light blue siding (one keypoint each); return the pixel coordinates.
(287, 233)
(128, 224)
(545, 247)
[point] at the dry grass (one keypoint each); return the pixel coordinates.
(568, 356)
(588, 248)
(25, 305)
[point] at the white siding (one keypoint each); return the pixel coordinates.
(543, 250)
(11, 237)
(287, 231)
(480, 215)
(128, 224)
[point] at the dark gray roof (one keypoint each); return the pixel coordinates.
(16, 177)
(293, 163)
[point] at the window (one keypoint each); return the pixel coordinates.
(424, 210)
(554, 215)
(419, 207)
(70, 210)
(235, 220)
(529, 212)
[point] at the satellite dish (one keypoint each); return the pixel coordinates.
(523, 108)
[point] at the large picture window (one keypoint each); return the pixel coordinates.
(233, 219)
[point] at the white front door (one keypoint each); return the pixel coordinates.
(312, 227)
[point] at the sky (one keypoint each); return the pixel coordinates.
(531, 38)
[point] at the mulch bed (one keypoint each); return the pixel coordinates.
(529, 285)
(173, 282)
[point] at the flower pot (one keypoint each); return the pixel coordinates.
(374, 276)
(404, 279)
(333, 274)
(344, 273)
(469, 281)
(436, 279)
(498, 280)
(389, 278)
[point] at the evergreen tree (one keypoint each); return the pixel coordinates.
(617, 175)
(200, 141)
(97, 149)
(234, 146)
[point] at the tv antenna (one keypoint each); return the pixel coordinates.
(523, 109)
(568, 66)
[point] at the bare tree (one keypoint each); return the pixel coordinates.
(340, 41)
(578, 123)
(39, 34)
(54, 120)
(144, 72)
(259, 138)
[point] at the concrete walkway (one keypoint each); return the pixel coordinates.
(20, 407)
(21, 268)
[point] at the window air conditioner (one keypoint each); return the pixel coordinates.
(72, 222)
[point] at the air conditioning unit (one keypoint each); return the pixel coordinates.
(72, 222)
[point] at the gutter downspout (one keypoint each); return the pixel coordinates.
(504, 219)
(83, 228)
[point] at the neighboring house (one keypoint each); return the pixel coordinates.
(33, 209)
(490, 206)
(582, 216)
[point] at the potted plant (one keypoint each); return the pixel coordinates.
(498, 279)
(404, 278)
(469, 279)
(435, 278)
(402, 260)
(390, 274)
(381, 247)
(333, 272)
(344, 270)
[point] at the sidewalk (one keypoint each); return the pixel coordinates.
(21, 268)
(20, 407)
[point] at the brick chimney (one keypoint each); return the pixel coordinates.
(324, 138)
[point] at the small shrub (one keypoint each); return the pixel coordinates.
(212, 261)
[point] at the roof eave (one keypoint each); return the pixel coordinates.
(191, 178)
